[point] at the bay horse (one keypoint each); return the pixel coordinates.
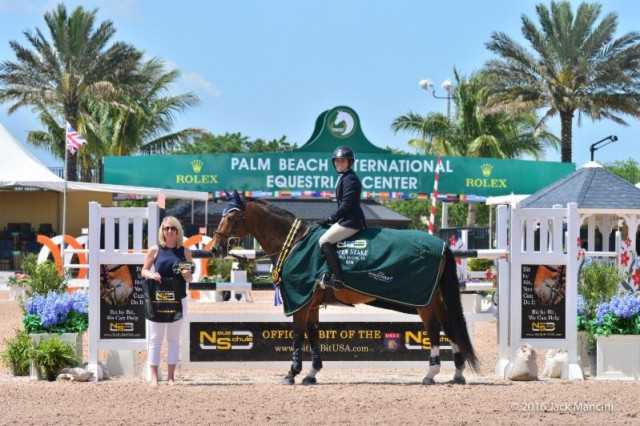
(272, 227)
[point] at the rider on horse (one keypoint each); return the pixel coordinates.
(347, 220)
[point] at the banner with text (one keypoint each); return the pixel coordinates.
(298, 174)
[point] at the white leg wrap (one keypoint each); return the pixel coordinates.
(433, 371)
(312, 373)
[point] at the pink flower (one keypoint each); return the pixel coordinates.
(636, 278)
(624, 258)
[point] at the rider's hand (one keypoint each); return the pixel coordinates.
(324, 222)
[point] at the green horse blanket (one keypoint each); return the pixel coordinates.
(399, 267)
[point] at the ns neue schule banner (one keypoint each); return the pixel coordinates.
(291, 172)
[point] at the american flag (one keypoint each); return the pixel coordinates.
(74, 139)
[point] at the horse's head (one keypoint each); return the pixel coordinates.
(347, 119)
(232, 226)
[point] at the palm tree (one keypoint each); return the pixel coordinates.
(142, 122)
(576, 65)
(57, 77)
(139, 123)
(474, 133)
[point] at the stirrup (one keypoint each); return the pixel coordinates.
(326, 280)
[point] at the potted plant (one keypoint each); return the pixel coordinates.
(17, 283)
(617, 329)
(63, 314)
(52, 355)
(16, 353)
(41, 278)
(599, 282)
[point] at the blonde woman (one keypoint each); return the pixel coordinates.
(163, 257)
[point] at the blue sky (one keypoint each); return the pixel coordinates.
(269, 68)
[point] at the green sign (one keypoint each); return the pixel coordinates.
(309, 171)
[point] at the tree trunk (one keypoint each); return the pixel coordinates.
(471, 214)
(72, 166)
(566, 131)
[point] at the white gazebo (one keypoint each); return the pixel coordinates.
(606, 203)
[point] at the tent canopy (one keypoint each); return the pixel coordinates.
(19, 168)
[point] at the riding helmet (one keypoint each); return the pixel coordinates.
(343, 152)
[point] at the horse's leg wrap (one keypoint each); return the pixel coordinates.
(316, 359)
(434, 367)
(458, 361)
(316, 366)
(296, 367)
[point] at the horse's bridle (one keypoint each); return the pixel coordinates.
(230, 238)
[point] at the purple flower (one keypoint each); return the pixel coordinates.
(54, 308)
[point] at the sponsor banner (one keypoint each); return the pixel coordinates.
(121, 302)
(339, 341)
(311, 174)
(543, 301)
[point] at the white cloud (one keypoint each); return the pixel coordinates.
(196, 82)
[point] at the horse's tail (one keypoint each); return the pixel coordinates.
(457, 325)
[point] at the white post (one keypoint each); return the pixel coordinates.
(574, 370)
(94, 286)
(64, 204)
(503, 273)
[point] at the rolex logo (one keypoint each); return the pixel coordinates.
(196, 165)
(486, 169)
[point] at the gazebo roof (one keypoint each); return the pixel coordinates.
(591, 187)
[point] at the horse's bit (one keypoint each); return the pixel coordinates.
(231, 239)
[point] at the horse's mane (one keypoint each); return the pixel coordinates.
(273, 209)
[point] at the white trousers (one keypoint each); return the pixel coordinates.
(336, 233)
(157, 331)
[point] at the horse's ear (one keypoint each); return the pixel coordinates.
(238, 199)
(229, 197)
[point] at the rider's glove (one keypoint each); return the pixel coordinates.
(324, 222)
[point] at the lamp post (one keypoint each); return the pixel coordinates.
(597, 145)
(427, 85)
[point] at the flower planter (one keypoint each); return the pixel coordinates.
(619, 357)
(16, 292)
(471, 303)
(75, 339)
(583, 358)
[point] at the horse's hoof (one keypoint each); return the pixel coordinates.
(289, 381)
(309, 381)
(459, 380)
(428, 381)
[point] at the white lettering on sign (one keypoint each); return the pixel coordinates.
(303, 165)
(250, 163)
(400, 166)
(312, 182)
(390, 182)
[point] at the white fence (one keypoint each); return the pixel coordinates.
(536, 314)
(125, 254)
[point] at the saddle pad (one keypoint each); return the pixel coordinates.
(397, 266)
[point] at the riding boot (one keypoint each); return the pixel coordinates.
(336, 282)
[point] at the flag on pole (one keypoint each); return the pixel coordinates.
(434, 196)
(74, 139)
